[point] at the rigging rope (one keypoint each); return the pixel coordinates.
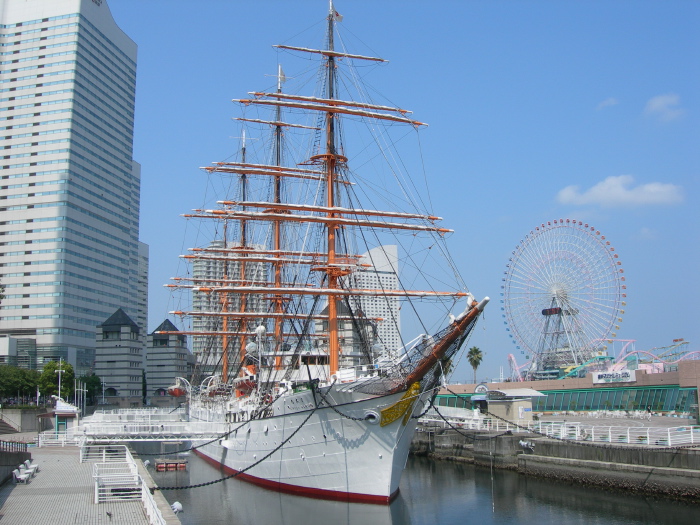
(207, 483)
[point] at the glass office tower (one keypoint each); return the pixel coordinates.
(69, 187)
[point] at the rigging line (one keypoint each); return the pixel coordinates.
(442, 246)
(221, 436)
(364, 344)
(472, 437)
(345, 49)
(304, 333)
(282, 443)
(395, 270)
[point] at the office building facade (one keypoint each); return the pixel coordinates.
(69, 187)
(380, 271)
(209, 269)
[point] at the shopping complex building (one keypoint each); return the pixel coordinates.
(673, 392)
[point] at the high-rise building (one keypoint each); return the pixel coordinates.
(381, 273)
(141, 316)
(69, 187)
(208, 269)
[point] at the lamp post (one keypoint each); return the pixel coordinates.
(81, 392)
(59, 371)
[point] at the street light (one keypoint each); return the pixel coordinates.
(59, 371)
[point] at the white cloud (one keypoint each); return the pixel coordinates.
(618, 191)
(611, 101)
(664, 107)
(646, 234)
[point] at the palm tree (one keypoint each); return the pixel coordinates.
(475, 357)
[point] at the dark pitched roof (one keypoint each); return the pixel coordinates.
(165, 326)
(342, 309)
(117, 320)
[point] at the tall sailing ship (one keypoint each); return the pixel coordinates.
(294, 359)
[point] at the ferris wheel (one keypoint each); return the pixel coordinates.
(563, 292)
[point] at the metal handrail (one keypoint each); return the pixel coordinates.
(578, 431)
(117, 478)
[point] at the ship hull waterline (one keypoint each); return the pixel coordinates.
(336, 455)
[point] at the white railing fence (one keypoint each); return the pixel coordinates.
(637, 435)
(117, 479)
(60, 438)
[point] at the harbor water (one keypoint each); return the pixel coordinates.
(432, 493)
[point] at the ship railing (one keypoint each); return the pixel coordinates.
(153, 431)
(154, 414)
(116, 478)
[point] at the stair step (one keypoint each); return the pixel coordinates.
(6, 428)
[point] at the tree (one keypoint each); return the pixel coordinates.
(17, 381)
(93, 385)
(48, 382)
(474, 356)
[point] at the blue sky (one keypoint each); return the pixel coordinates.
(538, 110)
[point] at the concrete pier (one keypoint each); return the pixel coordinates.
(648, 469)
(63, 493)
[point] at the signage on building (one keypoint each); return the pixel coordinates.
(481, 388)
(495, 395)
(618, 376)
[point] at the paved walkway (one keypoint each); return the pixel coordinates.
(62, 493)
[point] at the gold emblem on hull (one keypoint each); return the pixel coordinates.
(402, 407)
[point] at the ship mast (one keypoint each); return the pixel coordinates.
(243, 324)
(331, 161)
(332, 218)
(224, 295)
(277, 226)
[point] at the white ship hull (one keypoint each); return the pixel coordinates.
(331, 456)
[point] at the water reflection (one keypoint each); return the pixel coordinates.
(445, 492)
(432, 492)
(235, 502)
